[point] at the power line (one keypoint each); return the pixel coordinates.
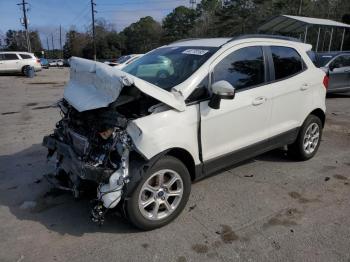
(25, 23)
(80, 15)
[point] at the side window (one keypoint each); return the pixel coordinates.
(287, 61)
(10, 56)
(25, 56)
(341, 61)
(243, 68)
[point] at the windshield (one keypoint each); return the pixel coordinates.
(169, 66)
(123, 59)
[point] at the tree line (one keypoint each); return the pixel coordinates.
(210, 18)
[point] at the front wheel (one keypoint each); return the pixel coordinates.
(161, 194)
(308, 140)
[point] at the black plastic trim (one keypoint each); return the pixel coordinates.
(214, 165)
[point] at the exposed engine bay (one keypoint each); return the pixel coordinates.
(91, 142)
(94, 146)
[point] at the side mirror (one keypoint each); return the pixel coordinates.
(221, 90)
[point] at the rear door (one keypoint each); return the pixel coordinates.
(339, 76)
(291, 90)
(11, 62)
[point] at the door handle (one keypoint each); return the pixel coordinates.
(304, 87)
(259, 100)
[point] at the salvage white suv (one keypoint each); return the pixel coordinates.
(144, 138)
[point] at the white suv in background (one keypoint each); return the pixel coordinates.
(15, 62)
(143, 138)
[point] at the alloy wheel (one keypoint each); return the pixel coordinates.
(160, 194)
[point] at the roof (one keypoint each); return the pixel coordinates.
(213, 42)
(218, 42)
(16, 52)
(289, 23)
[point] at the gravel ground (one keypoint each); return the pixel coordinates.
(267, 209)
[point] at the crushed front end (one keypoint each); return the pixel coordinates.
(90, 143)
(91, 146)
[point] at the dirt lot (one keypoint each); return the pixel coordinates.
(267, 209)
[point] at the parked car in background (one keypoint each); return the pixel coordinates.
(338, 69)
(44, 63)
(56, 62)
(16, 62)
(52, 62)
(123, 61)
(145, 138)
(60, 62)
(160, 66)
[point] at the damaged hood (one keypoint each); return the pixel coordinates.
(94, 85)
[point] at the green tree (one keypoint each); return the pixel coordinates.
(142, 36)
(16, 41)
(75, 43)
(179, 24)
(205, 23)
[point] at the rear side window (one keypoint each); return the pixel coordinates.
(287, 61)
(10, 57)
(242, 68)
(25, 56)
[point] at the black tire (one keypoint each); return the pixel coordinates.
(297, 149)
(132, 204)
(24, 68)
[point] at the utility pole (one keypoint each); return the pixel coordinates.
(93, 26)
(53, 47)
(61, 42)
(25, 23)
(192, 3)
(48, 47)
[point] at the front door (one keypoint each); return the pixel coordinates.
(339, 76)
(242, 122)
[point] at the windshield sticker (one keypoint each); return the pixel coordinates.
(195, 52)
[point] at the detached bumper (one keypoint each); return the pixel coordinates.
(71, 163)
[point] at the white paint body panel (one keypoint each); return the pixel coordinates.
(238, 123)
(15, 66)
(166, 130)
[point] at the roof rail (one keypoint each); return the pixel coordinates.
(280, 37)
(184, 40)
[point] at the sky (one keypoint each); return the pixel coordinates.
(47, 15)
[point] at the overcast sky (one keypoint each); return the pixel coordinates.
(47, 15)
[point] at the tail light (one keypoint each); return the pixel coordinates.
(326, 81)
(38, 61)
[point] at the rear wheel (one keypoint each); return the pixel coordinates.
(161, 194)
(24, 69)
(308, 140)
